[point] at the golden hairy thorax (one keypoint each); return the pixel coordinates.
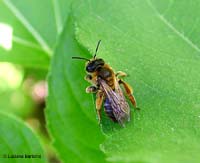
(106, 73)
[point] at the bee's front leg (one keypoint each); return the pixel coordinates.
(99, 101)
(88, 77)
(91, 89)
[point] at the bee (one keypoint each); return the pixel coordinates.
(106, 85)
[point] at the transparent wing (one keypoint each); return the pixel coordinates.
(117, 100)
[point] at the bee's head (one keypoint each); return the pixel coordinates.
(92, 64)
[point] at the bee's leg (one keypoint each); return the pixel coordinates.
(120, 74)
(99, 101)
(129, 92)
(91, 89)
(88, 77)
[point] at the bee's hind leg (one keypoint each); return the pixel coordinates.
(127, 87)
(99, 101)
(129, 93)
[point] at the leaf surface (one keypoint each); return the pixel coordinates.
(36, 27)
(18, 139)
(156, 44)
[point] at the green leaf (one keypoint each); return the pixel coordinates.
(17, 139)
(156, 44)
(72, 124)
(36, 26)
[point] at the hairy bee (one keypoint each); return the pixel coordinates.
(106, 85)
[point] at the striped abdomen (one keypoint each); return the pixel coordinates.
(109, 109)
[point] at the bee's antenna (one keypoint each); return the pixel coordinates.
(97, 48)
(80, 58)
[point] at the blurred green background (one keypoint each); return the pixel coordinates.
(43, 105)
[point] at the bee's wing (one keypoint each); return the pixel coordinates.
(117, 100)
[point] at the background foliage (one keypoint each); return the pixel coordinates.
(155, 42)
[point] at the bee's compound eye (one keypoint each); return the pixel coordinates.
(90, 68)
(93, 65)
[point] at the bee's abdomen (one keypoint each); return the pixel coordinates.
(109, 109)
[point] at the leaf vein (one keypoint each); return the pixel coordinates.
(27, 43)
(29, 27)
(58, 19)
